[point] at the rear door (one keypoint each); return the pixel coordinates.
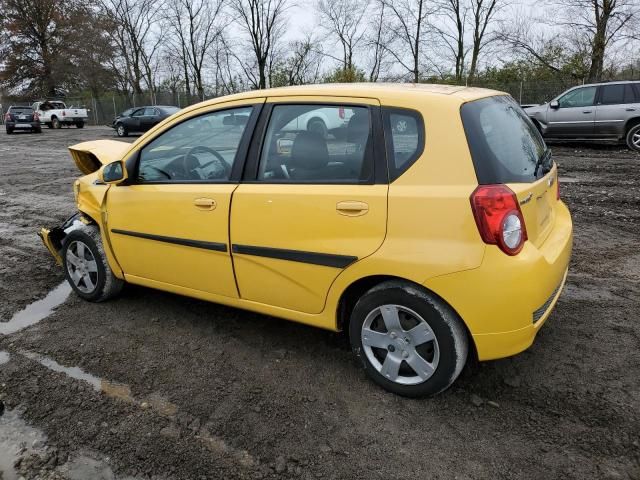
(616, 103)
(149, 119)
(575, 116)
(312, 202)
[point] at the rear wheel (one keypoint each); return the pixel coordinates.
(633, 138)
(55, 123)
(38, 130)
(80, 124)
(409, 342)
(86, 267)
(9, 130)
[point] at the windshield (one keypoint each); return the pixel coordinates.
(505, 145)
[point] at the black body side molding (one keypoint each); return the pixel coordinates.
(324, 259)
(218, 247)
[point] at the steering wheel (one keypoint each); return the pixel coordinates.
(190, 162)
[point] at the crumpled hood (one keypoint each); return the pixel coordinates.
(90, 156)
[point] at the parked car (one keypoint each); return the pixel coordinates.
(141, 119)
(21, 118)
(55, 114)
(427, 245)
(599, 111)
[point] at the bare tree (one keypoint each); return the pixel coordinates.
(136, 37)
(483, 14)
(377, 40)
(409, 25)
(263, 22)
(301, 66)
(195, 24)
(452, 32)
(343, 19)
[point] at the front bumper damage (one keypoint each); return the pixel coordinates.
(54, 237)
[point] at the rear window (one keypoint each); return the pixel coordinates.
(505, 145)
(19, 110)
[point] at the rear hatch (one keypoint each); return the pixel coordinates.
(507, 148)
(21, 114)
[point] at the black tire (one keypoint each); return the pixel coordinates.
(38, 130)
(105, 284)
(633, 138)
(317, 125)
(55, 123)
(80, 124)
(9, 131)
(121, 130)
(451, 340)
(48, 124)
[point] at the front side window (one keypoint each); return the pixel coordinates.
(580, 97)
(317, 144)
(202, 148)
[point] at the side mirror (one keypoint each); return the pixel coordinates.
(554, 104)
(114, 172)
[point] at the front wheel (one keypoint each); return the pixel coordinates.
(633, 138)
(409, 341)
(86, 266)
(121, 130)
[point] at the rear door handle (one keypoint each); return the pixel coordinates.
(352, 208)
(205, 203)
(586, 111)
(630, 109)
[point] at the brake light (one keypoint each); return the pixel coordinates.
(341, 113)
(7, 117)
(64, 113)
(499, 218)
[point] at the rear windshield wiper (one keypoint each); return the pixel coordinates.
(543, 162)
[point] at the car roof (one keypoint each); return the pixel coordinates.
(615, 82)
(381, 91)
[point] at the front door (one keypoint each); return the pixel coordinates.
(171, 224)
(310, 204)
(575, 116)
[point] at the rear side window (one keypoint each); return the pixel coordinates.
(612, 94)
(505, 145)
(404, 137)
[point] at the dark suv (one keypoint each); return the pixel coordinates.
(602, 111)
(22, 118)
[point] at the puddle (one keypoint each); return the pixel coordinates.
(4, 357)
(16, 439)
(36, 311)
(111, 389)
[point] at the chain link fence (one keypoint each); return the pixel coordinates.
(104, 108)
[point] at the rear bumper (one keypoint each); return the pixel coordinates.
(506, 300)
(23, 126)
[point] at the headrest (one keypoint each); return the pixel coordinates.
(358, 127)
(309, 151)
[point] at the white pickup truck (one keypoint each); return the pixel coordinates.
(55, 114)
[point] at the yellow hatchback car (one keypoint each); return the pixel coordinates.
(425, 221)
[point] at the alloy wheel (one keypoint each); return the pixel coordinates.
(635, 139)
(400, 344)
(82, 266)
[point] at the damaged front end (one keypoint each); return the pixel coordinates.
(89, 190)
(53, 237)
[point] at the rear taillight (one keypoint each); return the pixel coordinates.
(7, 117)
(499, 218)
(36, 117)
(64, 113)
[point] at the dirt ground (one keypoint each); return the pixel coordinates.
(154, 385)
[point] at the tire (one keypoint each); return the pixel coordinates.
(86, 267)
(428, 359)
(317, 125)
(633, 138)
(55, 123)
(48, 124)
(121, 130)
(9, 131)
(80, 124)
(38, 130)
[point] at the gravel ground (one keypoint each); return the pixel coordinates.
(154, 385)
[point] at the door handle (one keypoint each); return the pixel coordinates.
(630, 109)
(586, 111)
(205, 203)
(352, 208)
